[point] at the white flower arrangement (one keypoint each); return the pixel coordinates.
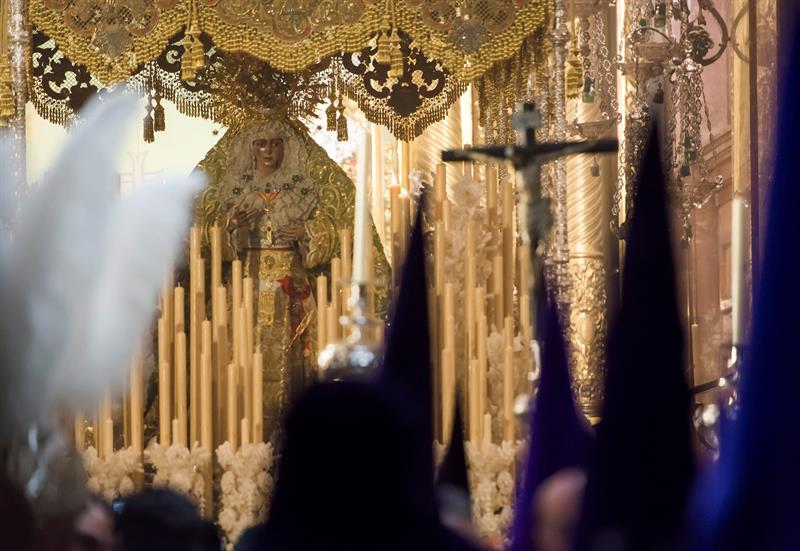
(112, 477)
(245, 487)
(181, 469)
(492, 485)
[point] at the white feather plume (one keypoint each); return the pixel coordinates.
(82, 274)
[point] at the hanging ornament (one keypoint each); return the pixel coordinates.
(148, 129)
(383, 55)
(689, 152)
(341, 123)
(588, 90)
(658, 97)
(193, 58)
(595, 169)
(159, 121)
(574, 70)
(330, 113)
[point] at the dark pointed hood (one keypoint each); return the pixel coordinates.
(643, 466)
(751, 500)
(452, 483)
(406, 369)
(559, 435)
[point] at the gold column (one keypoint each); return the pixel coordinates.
(587, 220)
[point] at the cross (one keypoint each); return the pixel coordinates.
(527, 156)
(137, 175)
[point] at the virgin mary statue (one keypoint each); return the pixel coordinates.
(281, 201)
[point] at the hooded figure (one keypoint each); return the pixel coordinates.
(643, 466)
(560, 437)
(406, 371)
(751, 498)
(344, 480)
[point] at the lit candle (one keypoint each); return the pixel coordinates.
(137, 410)
(361, 227)
(258, 397)
(491, 196)
(739, 261)
(246, 378)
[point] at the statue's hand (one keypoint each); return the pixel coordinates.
(291, 232)
(242, 217)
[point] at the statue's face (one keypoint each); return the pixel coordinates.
(268, 152)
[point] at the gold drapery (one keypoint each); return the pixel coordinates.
(113, 39)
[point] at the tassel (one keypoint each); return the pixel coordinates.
(341, 124)
(330, 114)
(7, 107)
(383, 55)
(149, 134)
(159, 123)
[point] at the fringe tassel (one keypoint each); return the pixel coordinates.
(159, 122)
(330, 114)
(341, 125)
(149, 134)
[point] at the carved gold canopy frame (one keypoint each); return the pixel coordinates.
(404, 62)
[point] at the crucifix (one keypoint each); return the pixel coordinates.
(527, 157)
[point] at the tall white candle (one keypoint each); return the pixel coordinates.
(362, 227)
(739, 260)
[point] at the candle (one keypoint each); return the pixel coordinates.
(347, 263)
(164, 397)
(245, 431)
(440, 190)
(179, 320)
(497, 290)
(508, 394)
(247, 302)
(405, 224)
(205, 401)
(487, 428)
(176, 433)
(216, 257)
(236, 302)
(446, 216)
(206, 381)
(167, 308)
(163, 341)
(482, 363)
(376, 159)
(336, 286)
(739, 261)
(332, 331)
(322, 309)
(395, 220)
(180, 388)
(525, 319)
(258, 397)
(361, 227)
(509, 243)
(80, 432)
(220, 337)
(474, 420)
(194, 330)
(108, 438)
(491, 196)
(246, 378)
(137, 410)
(231, 405)
(448, 376)
(439, 257)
